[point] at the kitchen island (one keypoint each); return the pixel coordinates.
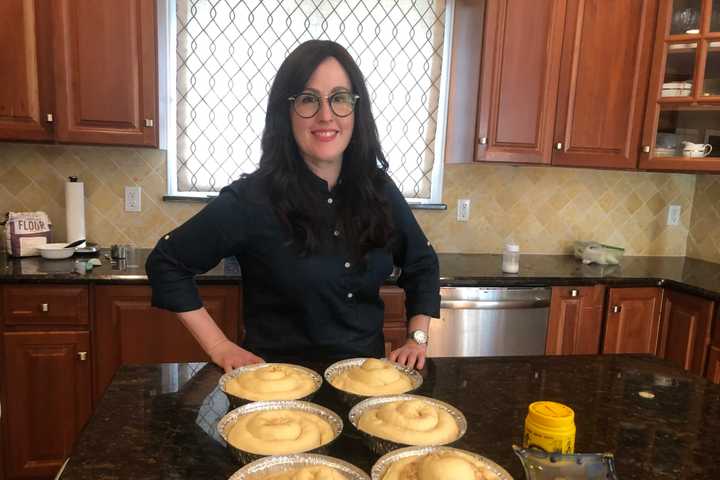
(158, 421)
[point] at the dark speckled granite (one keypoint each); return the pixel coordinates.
(693, 276)
(158, 421)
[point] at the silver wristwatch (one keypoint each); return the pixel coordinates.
(419, 336)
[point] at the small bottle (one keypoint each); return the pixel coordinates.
(550, 426)
(511, 258)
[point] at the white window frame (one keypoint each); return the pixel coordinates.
(167, 94)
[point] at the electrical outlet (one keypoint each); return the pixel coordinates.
(132, 199)
(673, 216)
(463, 210)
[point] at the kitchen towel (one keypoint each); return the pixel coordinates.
(75, 210)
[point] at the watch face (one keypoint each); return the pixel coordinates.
(419, 336)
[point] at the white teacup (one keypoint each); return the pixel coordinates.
(696, 149)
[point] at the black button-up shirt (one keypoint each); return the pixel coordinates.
(321, 305)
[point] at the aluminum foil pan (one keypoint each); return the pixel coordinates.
(281, 463)
(351, 399)
(381, 466)
(236, 401)
(227, 422)
(382, 446)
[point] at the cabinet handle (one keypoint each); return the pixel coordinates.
(616, 308)
(559, 146)
(149, 122)
(50, 118)
(574, 292)
(646, 149)
(82, 356)
(44, 307)
(483, 141)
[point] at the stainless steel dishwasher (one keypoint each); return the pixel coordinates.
(476, 321)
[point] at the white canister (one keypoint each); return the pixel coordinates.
(511, 258)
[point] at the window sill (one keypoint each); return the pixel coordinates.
(207, 198)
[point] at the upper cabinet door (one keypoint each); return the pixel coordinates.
(682, 120)
(26, 75)
(106, 74)
(519, 80)
(603, 82)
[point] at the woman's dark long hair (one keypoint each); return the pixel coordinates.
(363, 211)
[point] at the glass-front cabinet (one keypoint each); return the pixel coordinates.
(682, 119)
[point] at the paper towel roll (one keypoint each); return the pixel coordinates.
(75, 210)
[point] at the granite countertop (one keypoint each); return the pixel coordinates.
(694, 276)
(158, 421)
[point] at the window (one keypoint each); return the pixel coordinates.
(220, 57)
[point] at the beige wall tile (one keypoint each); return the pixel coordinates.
(704, 237)
(544, 209)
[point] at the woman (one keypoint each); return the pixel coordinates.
(316, 229)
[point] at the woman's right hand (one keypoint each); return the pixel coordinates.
(229, 356)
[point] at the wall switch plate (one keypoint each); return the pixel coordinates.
(673, 216)
(132, 199)
(463, 210)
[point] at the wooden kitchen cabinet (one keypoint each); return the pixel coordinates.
(26, 76)
(604, 71)
(575, 323)
(519, 80)
(564, 82)
(632, 323)
(686, 323)
(712, 372)
(48, 399)
(80, 71)
(395, 323)
(127, 329)
(713, 365)
(46, 375)
(684, 97)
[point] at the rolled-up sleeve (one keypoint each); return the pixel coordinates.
(195, 247)
(420, 272)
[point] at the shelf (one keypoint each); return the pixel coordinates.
(690, 104)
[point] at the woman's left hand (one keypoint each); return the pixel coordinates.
(411, 355)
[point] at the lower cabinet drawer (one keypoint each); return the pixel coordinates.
(45, 304)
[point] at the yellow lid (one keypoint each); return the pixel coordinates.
(551, 414)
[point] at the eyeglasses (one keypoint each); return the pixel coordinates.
(307, 105)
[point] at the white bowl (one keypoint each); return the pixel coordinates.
(55, 251)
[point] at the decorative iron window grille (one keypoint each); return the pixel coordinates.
(225, 53)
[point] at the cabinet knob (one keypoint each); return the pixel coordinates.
(616, 308)
(149, 122)
(483, 141)
(82, 356)
(646, 148)
(50, 118)
(559, 146)
(44, 307)
(574, 292)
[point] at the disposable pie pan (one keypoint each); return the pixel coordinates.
(350, 399)
(236, 401)
(282, 463)
(380, 445)
(243, 456)
(383, 464)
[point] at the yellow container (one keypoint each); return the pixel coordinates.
(550, 426)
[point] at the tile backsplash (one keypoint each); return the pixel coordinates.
(543, 209)
(704, 237)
